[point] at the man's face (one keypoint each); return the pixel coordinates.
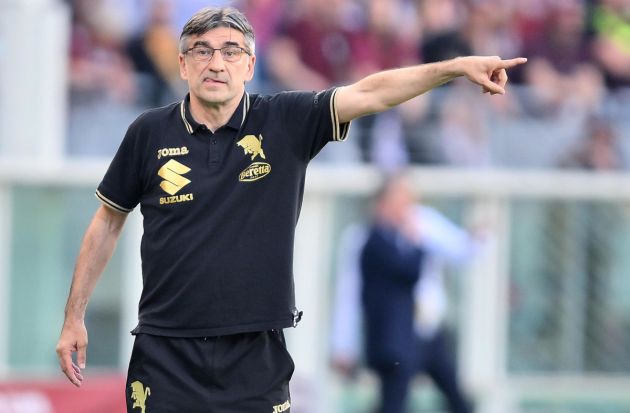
(217, 81)
(397, 202)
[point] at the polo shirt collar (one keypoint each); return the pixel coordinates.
(235, 122)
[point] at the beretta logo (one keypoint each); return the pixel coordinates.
(254, 172)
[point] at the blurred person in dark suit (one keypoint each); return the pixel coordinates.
(390, 265)
(395, 270)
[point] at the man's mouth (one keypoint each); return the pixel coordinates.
(213, 81)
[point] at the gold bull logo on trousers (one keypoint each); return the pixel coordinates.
(139, 395)
(252, 146)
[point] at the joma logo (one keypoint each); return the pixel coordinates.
(172, 152)
(284, 407)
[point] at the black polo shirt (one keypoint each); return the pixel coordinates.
(220, 210)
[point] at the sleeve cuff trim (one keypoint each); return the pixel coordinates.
(109, 203)
(340, 131)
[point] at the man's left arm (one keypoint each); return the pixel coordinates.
(384, 90)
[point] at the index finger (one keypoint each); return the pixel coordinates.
(509, 63)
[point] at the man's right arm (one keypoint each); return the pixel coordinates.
(383, 90)
(96, 250)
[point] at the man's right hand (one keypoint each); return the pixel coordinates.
(73, 339)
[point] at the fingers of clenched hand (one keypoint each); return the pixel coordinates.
(497, 77)
(81, 356)
(492, 86)
(69, 368)
(70, 343)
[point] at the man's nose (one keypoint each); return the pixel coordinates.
(216, 63)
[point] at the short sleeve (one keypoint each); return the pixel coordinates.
(120, 188)
(312, 120)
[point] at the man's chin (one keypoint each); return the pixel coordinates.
(214, 98)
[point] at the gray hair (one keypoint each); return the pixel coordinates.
(210, 18)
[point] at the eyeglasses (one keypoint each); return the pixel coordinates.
(228, 53)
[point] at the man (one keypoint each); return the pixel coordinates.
(422, 344)
(219, 178)
(390, 264)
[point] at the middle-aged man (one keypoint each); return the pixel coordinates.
(219, 178)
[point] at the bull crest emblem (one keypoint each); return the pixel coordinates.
(139, 395)
(252, 146)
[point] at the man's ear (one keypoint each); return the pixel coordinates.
(183, 68)
(251, 64)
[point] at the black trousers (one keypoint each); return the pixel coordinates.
(241, 373)
(436, 359)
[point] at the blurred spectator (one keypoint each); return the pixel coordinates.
(406, 333)
(266, 19)
(102, 87)
(314, 48)
(593, 243)
(561, 74)
(325, 43)
(490, 29)
(598, 150)
(153, 53)
(530, 18)
(463, 133)
(123, 59)
(442, 37)
(452, 129)
(611, 47)
(99, 69)
(384, 41)
(562, 38)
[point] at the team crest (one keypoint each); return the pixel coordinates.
(139, 395)
(252, 146)
(256, 170)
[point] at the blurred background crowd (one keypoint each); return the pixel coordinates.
(568, 107)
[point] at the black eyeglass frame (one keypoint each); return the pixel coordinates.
(242, 49)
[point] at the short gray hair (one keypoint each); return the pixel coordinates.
(210, 18)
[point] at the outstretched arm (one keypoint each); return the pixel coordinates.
(384, 90)
(96, 250)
